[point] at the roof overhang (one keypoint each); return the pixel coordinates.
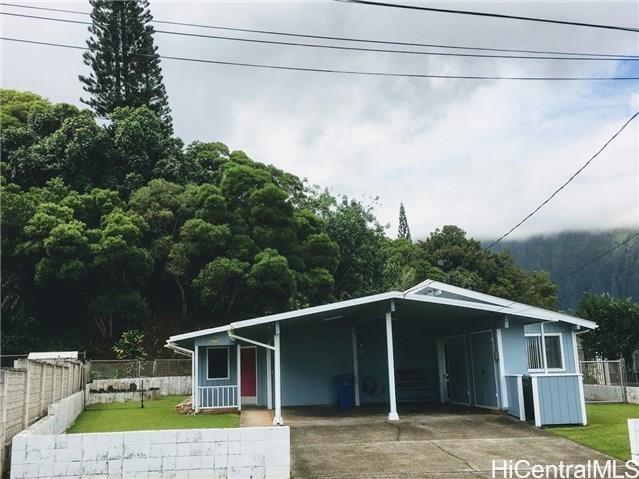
(428, 291)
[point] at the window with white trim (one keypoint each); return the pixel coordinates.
(217, 363)
(553, 347)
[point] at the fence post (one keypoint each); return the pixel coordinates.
(43, 372)
(27, 394)
(622, 379)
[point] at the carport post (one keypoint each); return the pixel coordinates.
(355, 366)
(239, 376)
(392, 414)
(277, 418)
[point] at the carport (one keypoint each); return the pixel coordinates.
(434, 343)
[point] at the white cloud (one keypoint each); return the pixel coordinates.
(477, 154)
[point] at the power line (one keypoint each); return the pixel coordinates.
(493, 15)
(574, 271)
(594, 260)
(340, 47)
(574, 175)
(342, 72)
(344, 39)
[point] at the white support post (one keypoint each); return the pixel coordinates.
(277, 418)
(520, 397)
(269, 381)
(536, 404)
(392, 414)
(196, 369)
(239, 377)
(441, 369)
(502, 372)
(582, 399)
(355, 366)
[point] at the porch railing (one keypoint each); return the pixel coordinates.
(214, 397)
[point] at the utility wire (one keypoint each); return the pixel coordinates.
(339, 47)
(338, 71)
(493, 15)
(574, 271)
(344, 39)
(574, 175)
(597, 258)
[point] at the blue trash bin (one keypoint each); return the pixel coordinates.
(345, 391)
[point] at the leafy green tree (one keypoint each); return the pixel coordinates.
(77, 152)
(403, 231)
(617, 334)
(271, 282)
(220, 283)
(142, 150)
(124, 63)
(129, 346)
(361, 241)
(466, 264)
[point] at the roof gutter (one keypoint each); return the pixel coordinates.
(179, 349)
(247, 340)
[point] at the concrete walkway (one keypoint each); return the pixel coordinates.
(256, 418)
(452, 444)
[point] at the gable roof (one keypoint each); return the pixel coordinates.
(428, 291)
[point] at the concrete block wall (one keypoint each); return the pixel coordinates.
(597, 392)
(61, 415)
(28, 390)
(207, 453)
(102, 398)
(168, 385)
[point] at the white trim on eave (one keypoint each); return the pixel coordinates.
(508, 307)
(489, 303)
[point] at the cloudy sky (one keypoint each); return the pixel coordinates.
(478, 154)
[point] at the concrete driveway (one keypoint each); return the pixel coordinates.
(446, 443)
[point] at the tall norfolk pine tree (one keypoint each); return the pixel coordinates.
(403, 231)
(125, 65)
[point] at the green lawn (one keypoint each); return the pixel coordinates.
(158, 414)
(607, 429)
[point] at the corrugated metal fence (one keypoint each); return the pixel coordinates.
(27, 390)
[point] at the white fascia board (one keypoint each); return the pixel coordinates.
(468, 293)
(289, 315)
(195, 334)
(508, 307)
(419, 286)
(325, 308)
(454, 302)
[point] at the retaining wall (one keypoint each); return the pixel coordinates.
(206, 453)
(596, 392)
(168, 385)
(59, 418)
(101, 398)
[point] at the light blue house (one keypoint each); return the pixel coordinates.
(432, 343)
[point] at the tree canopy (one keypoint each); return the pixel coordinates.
(109, 228)
(617, 334)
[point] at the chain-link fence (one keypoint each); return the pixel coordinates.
(604, 373)
(605, 380)
(125, 368)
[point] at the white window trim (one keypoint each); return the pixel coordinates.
(228, 364)
(544, 358)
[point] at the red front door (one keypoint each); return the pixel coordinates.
(248, 372)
